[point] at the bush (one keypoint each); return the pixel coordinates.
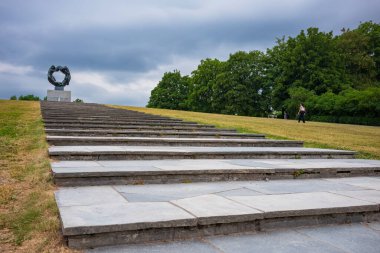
(29, 98)
(13, 98)
(78, 100)
(346, 120)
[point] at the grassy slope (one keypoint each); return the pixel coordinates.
(28, 213)
(365, 139)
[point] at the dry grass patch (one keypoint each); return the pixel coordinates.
(28, 213)
(365, 139)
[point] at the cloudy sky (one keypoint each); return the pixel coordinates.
(118, 50)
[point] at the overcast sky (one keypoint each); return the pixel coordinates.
(117, 51)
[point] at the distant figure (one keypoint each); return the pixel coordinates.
(301, 113)
(286, 115)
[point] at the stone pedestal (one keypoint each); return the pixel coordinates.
(59, 95)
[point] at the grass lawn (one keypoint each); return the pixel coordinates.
(28, 213)
(364, 139)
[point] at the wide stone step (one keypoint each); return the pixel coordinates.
(105, 215)
(157, 133)
(87, 173)
(135, 127)
(120, 121)
(132, 123)
(152, 141)
(114, 116)
(165, 152)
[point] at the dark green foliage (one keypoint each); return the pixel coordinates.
(241, 88)
(203, 79)
(336, 77)
(13, 98)
(78, 100)
(29, 98)
(171, 92)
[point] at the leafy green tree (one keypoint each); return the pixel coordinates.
(171, 92)
(241, 88)
(310, 60)
(203, 79)
(78, 100)
(13, 98)
(360, 51)
(372, 30)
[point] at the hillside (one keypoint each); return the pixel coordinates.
(28, 215)
(364, 139)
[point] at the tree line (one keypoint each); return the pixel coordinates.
(336, 77)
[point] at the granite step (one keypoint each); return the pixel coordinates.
(105, 116)
(109, 215)
(157, 133)
(165, 152)
(121, 121)
(87, 173)
(161, 141)
(135, 127)
(132, 123)
(335, 238)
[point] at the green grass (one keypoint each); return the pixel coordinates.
(28, 215)
(364, 139)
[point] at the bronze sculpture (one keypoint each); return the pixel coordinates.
(51, 78)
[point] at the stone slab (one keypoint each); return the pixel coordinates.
(273, 242)
(367, 195)
(299, 186)
(107, 217)
(350, 238)
(109, 139)
(167, 192)
(191, 246)
(84, 196)
(184, 152)
(353, 238)
(59, 95)
(211, 209)
(300, 204)
(364, 182)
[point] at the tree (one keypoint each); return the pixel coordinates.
(359, 49)
(78, 100)
(241, 89)
(171, 92)
(203, 79)
(13, 98)
(310, 60)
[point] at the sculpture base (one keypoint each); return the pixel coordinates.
(59, 95)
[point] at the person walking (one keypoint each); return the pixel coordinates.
(301, 113)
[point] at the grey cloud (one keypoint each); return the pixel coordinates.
(126, 40)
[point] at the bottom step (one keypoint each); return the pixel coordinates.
(344, 238)
(104, 215)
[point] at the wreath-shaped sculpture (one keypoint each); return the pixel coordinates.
(65, 70)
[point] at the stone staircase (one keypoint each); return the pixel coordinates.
(130, 177)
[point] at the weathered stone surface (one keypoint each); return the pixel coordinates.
(299, 204)
(355, 238)
(59, 95)
(284, 242)
(350, 238)
(119, 216)
(211, 209)
(192, 246)
(166, 152)
(84, 196)
(364, 182)
(367, 195)
(298, 186)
